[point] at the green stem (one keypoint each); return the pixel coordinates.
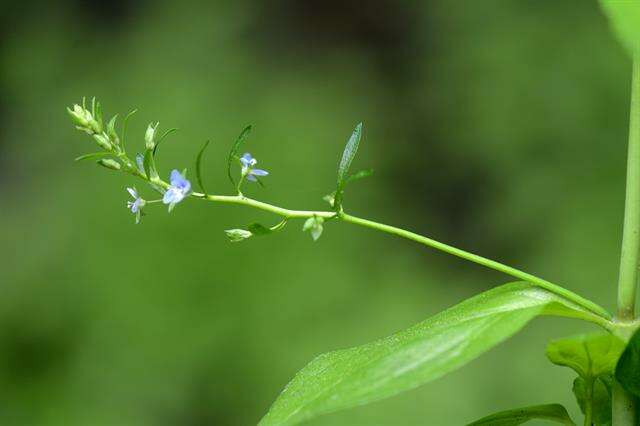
(588, 408)
(290, 214)
(623, 405)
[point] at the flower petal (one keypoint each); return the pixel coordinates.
(133, 192)
(251, 177)
(175, 178)
(259, 172)
(170, 196)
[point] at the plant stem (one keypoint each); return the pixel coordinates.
(492, 264)
(623, 405)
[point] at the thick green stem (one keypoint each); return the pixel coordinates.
(623, 405)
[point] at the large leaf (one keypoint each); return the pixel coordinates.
(624, 17)
(628, 368)
(589, 355)
(553, 412)
(420, 354)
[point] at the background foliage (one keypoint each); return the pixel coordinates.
(490, 126)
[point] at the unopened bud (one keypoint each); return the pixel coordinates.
(237, 235)
(79, 115)
(149, 136)
(102, 140)
(109, 163)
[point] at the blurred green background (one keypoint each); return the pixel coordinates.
(497, 126)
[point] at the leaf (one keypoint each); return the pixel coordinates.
(600, 399)
(552, 412)
(258, 229)
(233, 153)
(150, 165)
(589, 355)
(92, 156)
(628, 367)
(417, 355)
(199, 167)
(348, 155)
(624, 17)
(164, 135)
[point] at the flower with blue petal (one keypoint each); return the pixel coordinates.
(248, 170)
(140, 164)
(136, 205)
(178, 189)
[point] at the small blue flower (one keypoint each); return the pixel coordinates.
(180, 187)
(136, 205)
(248, 162)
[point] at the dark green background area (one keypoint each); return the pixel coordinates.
(497, 126)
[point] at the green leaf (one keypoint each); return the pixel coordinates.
(553, 412)
(348, 155)
(258, 229)
(111, 129)
(628, 368)
(624, 17)
(233, 153)
(420, 354)
(149, 164)
(596, 392)
(161, 138)
(589, 355)
(199, 167)
(92, 156)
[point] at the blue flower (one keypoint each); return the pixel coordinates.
(136, 205)
(180, 187)
(140, 164)
(248, 162)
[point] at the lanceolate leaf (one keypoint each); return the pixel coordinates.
(160, 139)
(149, 164)
(628, 368)
(624, 17)
(348, 155)
(552, 412)
(233, 154)
(92, 156)
(420, 354)
(199, 167)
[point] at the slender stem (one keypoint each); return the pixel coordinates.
(628, 279)
(289, 214)
(623, 404)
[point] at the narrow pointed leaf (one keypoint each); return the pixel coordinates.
(422, 353)
(92, 156)
(359, 175)
(149, 164)
(160, 139)
(348, 155)
(199, 167)
(553, 412)
(233, 153)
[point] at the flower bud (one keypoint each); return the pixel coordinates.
(237, 235)
(79, 115)
(149, 136)
(102, 140)
(109, 163)
(314, 225)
